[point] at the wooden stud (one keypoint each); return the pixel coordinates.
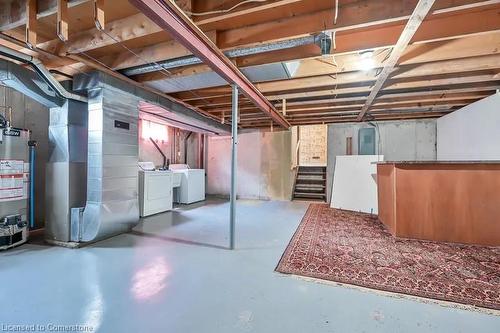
(62, 20)
(283, 104)
(31, 21)
(99, 14)
(417, 17)
(348, 145)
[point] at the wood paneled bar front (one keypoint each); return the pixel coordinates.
(446, 201)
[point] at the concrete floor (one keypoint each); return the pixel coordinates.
(172, 274)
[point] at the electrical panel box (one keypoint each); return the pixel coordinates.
(366, 141)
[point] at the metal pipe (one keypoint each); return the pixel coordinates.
(234, 160)
(39, 68)
(32, 159)
(186, 147)
(166, 162)
(318, 39)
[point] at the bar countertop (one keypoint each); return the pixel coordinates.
(440, 162)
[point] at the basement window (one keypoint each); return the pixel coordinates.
(155, 131)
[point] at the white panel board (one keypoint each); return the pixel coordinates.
(355, 183)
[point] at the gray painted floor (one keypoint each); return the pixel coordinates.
(172, 275)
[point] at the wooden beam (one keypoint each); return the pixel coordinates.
(128, 28)
(154, 53)
(137, 84)
(13, 13)
(419, 88)
(245, 12)
(99, 16)
(423, 7)
(422, 51)
(168, 16)
(422, 84)
(410, 76)
(382, 117)
(62, 20)
(31, 21)
(355, 15)
(458, 67)
(132, 27)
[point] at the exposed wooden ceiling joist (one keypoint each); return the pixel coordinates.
(451, 60)
(478, 22)
(421, 10)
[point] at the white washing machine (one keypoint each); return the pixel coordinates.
(192, 187)
(155, 191)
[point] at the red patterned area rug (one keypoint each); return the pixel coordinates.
(355, 248)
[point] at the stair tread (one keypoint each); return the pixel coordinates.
(309, 194)
(311, 173)
(310, 183)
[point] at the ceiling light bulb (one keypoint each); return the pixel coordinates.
(366, 62)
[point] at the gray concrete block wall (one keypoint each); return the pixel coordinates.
(397, 140)
(29, 114)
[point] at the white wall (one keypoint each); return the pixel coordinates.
(402, 140)
(149, 153)
(264, 165)
(471, 133)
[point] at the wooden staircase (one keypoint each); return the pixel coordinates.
(310, 183)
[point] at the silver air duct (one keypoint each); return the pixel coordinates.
(112, 177)
(42, 71)
(322, 40)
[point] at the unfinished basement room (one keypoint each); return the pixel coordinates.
(229, 166)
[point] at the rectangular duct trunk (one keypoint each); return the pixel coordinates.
(112, 173)
(66, 171)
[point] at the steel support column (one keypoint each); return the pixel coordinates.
(234, 164)
(167, 15)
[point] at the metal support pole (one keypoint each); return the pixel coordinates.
(234, 159)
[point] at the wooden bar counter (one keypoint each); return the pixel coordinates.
(441, 201)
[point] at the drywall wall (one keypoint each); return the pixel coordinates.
(264, 165)
(399, 140)
(471, 133)
(29, 114)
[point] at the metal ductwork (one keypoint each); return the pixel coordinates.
(44, 73)
(322, 40)
(29, 83)
(112, 205)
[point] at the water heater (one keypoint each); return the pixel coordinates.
(14, 182)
